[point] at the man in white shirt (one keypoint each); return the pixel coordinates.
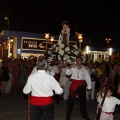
(79, 78)
(41, 86)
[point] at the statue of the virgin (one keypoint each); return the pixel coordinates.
(64, 34)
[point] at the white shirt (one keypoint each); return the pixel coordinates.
(34, 70)
(80, 74)
(55, 69)
(41, 84)
(110, 103)
(50, 71)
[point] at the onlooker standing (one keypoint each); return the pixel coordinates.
(64, 81)
(117, 76)
(99, 72)
(4, 77)
(15, 80)
(10, 68)
(91, 71)
(23, 74)
(57, 70)
(41, 86)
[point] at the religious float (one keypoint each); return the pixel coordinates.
(63, 51)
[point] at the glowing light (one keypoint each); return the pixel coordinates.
(110, 51)
(87, 49)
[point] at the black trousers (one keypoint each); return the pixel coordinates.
(81, 91)
(47, 112)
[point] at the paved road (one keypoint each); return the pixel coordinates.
(14, 107)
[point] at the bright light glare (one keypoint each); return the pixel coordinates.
(110, 51)
(87, 49)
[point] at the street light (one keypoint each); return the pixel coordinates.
(49, 39)
(87, 51)
(7, 19)
(110, 53)
(80, 38)
(47, 35)
(108, 40)
(10, 43)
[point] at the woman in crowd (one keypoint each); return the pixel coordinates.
(16, 71)
(64, 81)
(4, 77)
(91, 71)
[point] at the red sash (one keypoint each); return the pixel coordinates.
(41, 101)
(74, 85)
(108, 112)
(56, 76)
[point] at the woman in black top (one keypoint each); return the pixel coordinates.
(4, 77)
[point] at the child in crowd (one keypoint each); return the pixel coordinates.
(108, 105)
(100, 95)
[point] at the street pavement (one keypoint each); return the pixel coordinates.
(14, 107)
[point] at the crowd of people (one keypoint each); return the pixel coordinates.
(63, 81)
(14, 73)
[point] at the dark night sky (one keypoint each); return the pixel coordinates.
(96, 20)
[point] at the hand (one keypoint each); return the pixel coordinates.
(89, 93)
(63, 86)
(100, 106)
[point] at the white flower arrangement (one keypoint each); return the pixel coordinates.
(65, 53)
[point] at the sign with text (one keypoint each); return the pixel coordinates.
(36, 44)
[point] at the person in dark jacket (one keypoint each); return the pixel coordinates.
(4, 77)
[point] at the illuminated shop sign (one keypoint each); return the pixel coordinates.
(38, 44)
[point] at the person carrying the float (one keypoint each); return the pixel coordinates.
(79, 79)
(41, 86)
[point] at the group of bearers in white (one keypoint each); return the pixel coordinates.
(41, 85)
(74, 81)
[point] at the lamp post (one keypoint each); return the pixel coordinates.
(10, 45)
(7, 19)
(108, 41)
(80, 38)
(110, 53)
(49, 39)
(87, 50)
(47, 35)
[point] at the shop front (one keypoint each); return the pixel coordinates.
(23, 44)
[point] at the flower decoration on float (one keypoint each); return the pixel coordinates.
(63, 53)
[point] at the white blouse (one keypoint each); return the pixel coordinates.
(110, 103)
(80, 74)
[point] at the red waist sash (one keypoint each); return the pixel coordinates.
(56, 76)
(74, 85)
(41, 101)
(108, 112)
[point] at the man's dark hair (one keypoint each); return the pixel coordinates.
(42, 63)
(79, 57)
(111, 88)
